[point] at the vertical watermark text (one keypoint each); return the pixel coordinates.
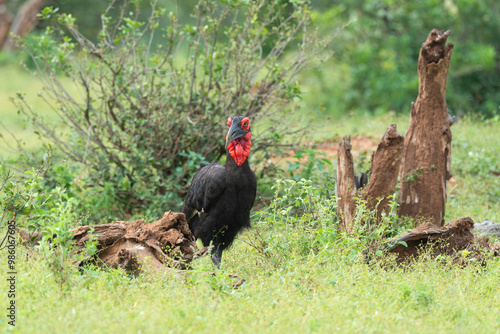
(9, 243)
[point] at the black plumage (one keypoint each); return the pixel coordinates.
(220, 197)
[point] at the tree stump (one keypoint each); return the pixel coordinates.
(385, 165)
(345, 187)
(425, 169)
(384, 169)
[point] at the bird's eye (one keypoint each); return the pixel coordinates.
(229, 122)
(245, 124)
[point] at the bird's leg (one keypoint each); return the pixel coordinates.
(216, 256)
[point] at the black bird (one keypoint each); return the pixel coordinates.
(219, 200)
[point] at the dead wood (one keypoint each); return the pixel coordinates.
(452, 240)
(383, 177)
(425, 169)
(384, 171)
(166, 244)
(345, 188)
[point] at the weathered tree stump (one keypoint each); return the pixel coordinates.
(384, 169)
(425, 169)
(385, 165)
(345, 188)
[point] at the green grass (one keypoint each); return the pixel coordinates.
(313, 282)
(328, 292)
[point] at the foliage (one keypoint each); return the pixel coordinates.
(26, 198)
(145, 118)
(49, 212)
(302, 220)
(307, 163)
(298, 215)
(377, 68)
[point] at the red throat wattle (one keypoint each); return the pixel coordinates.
(239, 148)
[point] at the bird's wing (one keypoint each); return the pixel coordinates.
(207, 186)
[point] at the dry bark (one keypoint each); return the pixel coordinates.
(345, 188)
(450, 240)
(384, 171)
(166, 244)
(425, 169)
(383, 178)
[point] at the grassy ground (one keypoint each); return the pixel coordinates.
(327, 292)
(307, 280)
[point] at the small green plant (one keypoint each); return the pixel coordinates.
(50, 213)
(298, 221)
(307, 164)
(416, 173)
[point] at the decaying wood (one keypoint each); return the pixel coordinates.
(425, 169)
(450, 240)
(345, 188)
(166, 244)
(383, 177)
(384, 171)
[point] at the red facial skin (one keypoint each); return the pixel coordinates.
(239, 148)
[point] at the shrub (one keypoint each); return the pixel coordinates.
(143, 117)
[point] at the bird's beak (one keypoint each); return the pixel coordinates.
(235, 132)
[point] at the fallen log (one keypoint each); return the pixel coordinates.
(455, 240)
(165, 244)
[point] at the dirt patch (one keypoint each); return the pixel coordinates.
(362, 147)
(455, 239)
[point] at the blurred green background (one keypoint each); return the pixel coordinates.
(374, 66)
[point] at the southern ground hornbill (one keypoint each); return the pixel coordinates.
(220, 197)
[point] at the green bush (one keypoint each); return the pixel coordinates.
(27, 202)
(143, 117)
